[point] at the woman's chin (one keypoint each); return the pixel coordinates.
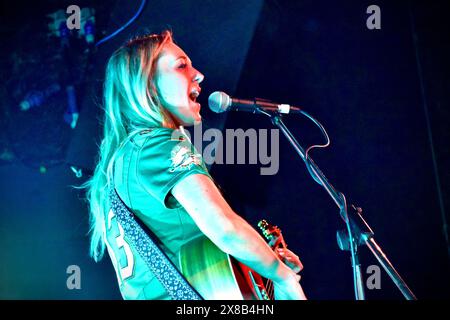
(198, 120)
(192, 121)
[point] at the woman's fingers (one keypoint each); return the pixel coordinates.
(290, 259)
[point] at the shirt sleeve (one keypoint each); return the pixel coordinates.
(165, 158)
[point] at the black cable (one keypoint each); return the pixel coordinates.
(327, 143)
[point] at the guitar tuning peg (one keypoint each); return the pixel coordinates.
(262, 224)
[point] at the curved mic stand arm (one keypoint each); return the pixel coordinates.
(358, 229)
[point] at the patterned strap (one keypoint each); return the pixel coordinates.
(161, 266)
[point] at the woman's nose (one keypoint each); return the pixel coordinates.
(198, 76)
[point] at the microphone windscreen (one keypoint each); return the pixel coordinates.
(219, 101)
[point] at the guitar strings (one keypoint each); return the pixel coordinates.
(269, 289)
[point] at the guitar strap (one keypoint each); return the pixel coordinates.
(145, 243)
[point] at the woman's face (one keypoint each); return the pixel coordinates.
(178, 84)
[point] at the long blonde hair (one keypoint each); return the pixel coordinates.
(131, 104)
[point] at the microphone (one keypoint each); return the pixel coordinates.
(220, 102)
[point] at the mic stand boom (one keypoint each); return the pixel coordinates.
(358, 229)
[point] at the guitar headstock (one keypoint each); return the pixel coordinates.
(271, 233)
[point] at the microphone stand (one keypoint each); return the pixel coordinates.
(359, 232)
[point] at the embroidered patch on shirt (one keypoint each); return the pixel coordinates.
(182, 158)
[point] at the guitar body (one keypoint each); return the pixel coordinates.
(218, 276)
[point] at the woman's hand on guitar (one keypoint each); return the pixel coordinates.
(290, 259)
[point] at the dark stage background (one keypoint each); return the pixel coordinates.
(383, 96)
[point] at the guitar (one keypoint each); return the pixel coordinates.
(218, 276)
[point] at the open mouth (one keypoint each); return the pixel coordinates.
(194, 95)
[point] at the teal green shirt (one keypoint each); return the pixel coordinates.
(147, 167)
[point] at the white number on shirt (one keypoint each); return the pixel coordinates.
(126, 271)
